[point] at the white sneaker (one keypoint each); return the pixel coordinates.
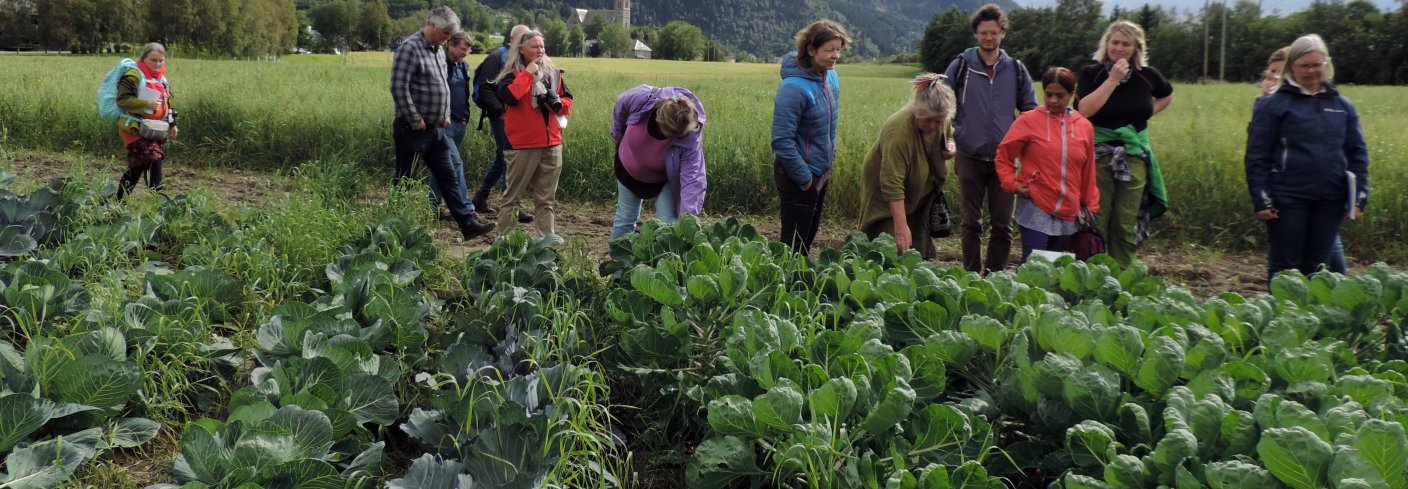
(553, 240)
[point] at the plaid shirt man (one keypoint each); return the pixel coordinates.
(418, 86)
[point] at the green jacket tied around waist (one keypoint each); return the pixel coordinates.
(1136, 143)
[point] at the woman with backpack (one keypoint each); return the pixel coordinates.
(659, 139)
(143, 94)
(536, 105)
(904, 169)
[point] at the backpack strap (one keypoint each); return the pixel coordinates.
(960, 84)
(1023, 78)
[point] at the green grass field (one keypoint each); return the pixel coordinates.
(336, 108)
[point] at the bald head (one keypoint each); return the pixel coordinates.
(517, 31)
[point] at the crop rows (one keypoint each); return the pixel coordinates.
(328, 343)
(342, 113)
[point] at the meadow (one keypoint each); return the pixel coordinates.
(278, 115)
(314, 336)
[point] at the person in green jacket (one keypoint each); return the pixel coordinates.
(905, 170)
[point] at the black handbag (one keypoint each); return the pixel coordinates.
(940, 224)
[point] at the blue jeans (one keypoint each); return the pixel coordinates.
(1303, 236)
(455, 133)
(1337, 262)
(495, 173)
(628, 209)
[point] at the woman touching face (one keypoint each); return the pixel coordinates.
(1120, 47)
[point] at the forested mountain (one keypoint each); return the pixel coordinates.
(765, 27)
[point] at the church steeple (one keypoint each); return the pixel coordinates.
(623, 9)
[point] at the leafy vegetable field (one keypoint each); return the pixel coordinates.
(327, 343)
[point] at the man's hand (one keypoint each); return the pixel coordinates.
(419, 125)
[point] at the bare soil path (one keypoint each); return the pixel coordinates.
(587, 225)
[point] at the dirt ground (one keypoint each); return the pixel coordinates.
(587, 225)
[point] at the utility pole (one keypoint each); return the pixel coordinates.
(1205, 39)
(1222, 58)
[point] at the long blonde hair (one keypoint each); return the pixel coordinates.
(515, 62)
(1134, 33)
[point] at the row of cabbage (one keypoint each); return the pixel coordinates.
(870, 369)
(346, 377)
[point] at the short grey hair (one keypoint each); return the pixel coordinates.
(443, 18)
(460, 37)
(153, 47)
(931, 96)
(1309, 43)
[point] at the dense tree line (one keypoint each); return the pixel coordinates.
(1368, 46)
(230, 27)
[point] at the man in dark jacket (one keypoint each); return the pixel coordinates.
(991, 88)
(485, 96)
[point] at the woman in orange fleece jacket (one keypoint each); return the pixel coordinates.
(1055, 146)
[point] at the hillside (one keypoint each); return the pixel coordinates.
(765, 27)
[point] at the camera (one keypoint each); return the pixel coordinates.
(551, 100)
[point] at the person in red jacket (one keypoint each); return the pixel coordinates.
(536, 105)
(1055, 148)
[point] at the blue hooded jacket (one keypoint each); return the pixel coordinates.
(804, 120)
(1300, 146)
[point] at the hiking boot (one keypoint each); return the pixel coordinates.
(481, 203)
(472, 228)
(524, 217)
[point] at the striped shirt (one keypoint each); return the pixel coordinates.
(418, 86)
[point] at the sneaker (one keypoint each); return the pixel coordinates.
(474, 228)
(524, 217)
(553, 240)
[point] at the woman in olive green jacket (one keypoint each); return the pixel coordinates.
(904, 169)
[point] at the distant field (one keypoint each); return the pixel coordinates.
(324, 107)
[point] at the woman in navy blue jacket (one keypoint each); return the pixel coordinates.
(1307, 162)
(804, 129)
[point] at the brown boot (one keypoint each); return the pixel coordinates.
(481, 203)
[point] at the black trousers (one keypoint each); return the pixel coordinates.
(134, 174)
(800, 209)
(432, 148)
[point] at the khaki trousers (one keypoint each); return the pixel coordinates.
(540, 169)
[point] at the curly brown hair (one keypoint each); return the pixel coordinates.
(989, 12)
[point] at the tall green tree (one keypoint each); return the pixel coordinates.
(576, 41)
(374, 25)
(614, 40)
(946, 36)
(556, 37)
(336, 22)
(679, 40)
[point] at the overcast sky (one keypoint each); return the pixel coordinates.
(1284, 6)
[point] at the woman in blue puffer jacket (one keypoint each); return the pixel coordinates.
(804, 130)
(1307, 163)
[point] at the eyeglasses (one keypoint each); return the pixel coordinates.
(1311, 66)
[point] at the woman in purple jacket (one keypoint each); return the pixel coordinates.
(659, 154)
